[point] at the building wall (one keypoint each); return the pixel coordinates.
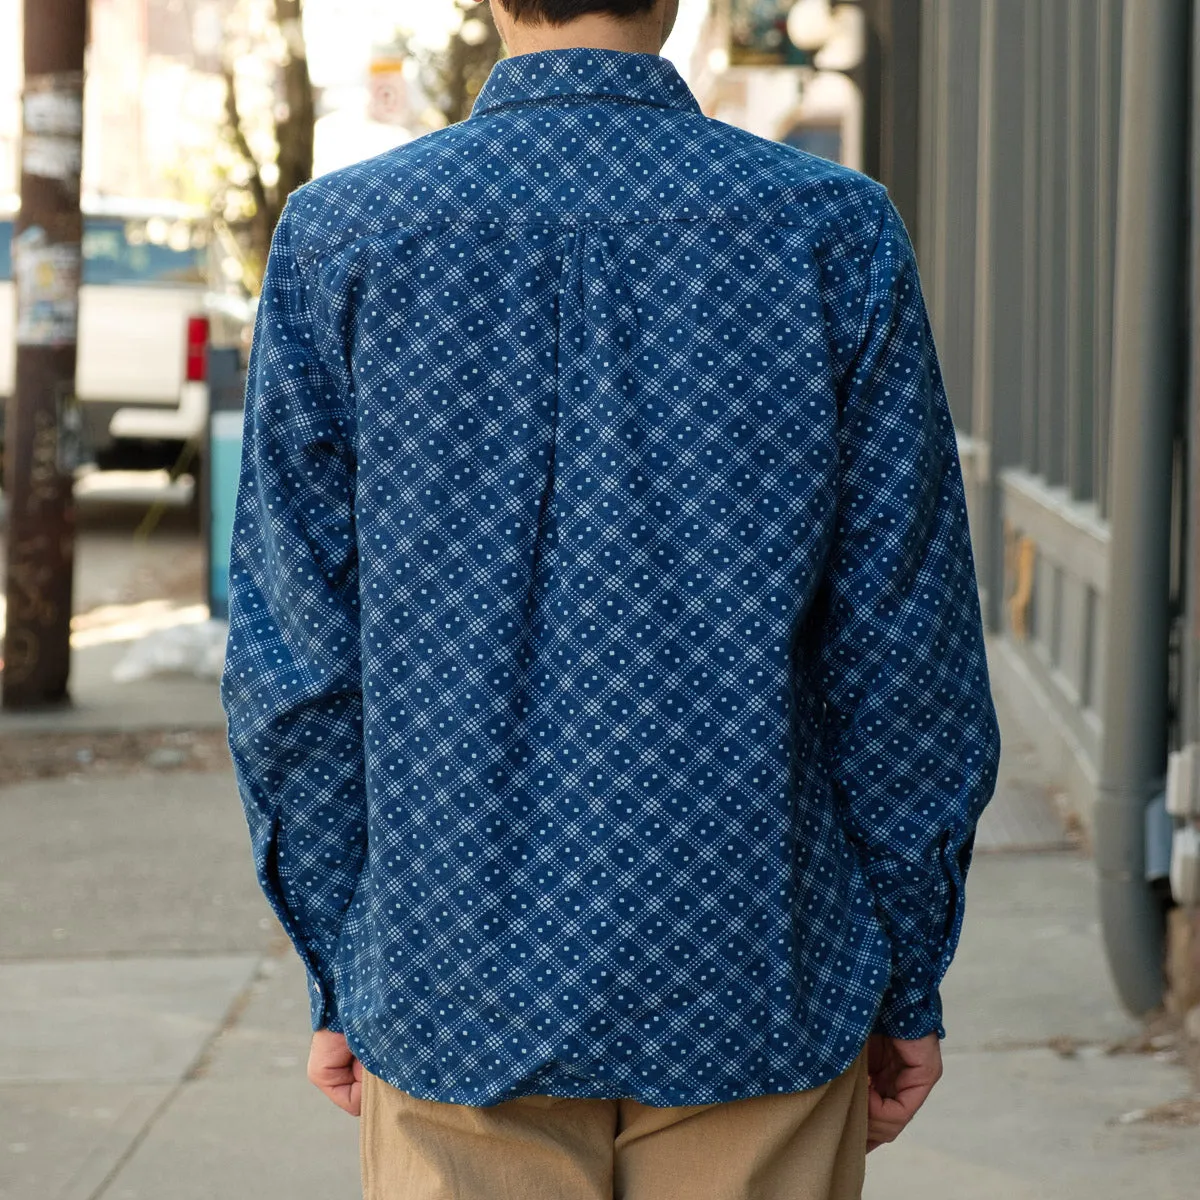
(1019, 131)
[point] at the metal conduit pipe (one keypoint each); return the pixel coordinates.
(1151, 256)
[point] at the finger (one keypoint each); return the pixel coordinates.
(333, 1094)
(884, 1080)
(921, 1052)
(346, 1096)
(912, 1097)
(324, 1075)
(880, 1132)
(353, 1097)
(886, 1108)
(917, 1075)
(886, 1119)
(907, 1095)
(332, 1058)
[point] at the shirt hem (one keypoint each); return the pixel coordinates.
(598, 1089)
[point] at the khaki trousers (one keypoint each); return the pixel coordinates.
(808, 1145)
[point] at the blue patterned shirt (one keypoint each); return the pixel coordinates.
(606, 678)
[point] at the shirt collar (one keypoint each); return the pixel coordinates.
(580, 71)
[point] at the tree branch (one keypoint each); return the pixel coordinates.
(233, 119)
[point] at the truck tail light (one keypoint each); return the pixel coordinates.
(197, 349)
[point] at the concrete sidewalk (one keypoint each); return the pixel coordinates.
(153, 1020)
(154, 1024)
(1034, 1104)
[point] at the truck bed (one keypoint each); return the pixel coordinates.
(131, 342)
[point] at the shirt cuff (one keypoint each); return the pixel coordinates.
(322, 1005)
(905, 1015)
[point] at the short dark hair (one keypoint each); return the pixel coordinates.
(560, 12)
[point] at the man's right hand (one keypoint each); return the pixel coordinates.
(902, 1076)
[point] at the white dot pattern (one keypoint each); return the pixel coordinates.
(606, 679)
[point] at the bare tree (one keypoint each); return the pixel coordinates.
(270, 117)
(451, 77)
(275, 148)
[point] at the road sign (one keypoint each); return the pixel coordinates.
(388, 90)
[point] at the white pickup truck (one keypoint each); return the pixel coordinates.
(144, 328)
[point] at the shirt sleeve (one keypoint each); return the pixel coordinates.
(291, 686)
(898, 649)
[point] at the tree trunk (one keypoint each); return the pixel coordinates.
(294, 131)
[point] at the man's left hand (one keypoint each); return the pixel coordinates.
(333, 1068)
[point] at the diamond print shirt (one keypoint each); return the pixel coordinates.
(606, 680)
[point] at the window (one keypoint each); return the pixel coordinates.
(130, 253)
(823, 139)
(134, 253)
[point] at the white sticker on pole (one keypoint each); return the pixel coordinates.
(47, 276)
(51, 108)
(52, 145)
(51, 157)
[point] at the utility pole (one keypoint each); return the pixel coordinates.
(42, 435)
